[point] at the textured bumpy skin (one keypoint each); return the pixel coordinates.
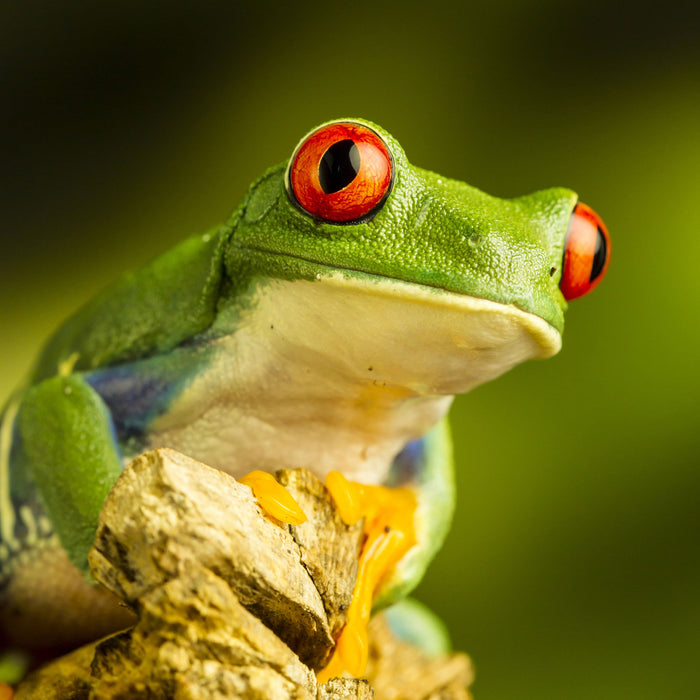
(431, 231)
(279, 340)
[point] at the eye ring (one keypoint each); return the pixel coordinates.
(341, 173)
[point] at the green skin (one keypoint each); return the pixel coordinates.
(163, 336)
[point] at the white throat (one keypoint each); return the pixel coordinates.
(341, 372)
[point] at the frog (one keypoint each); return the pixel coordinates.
(327, 324)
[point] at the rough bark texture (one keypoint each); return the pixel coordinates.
(230, 604)
(168, 512)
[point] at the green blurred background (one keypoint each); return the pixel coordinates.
(572, 570)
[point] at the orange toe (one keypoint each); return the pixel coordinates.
(389, 534)
(273, 498)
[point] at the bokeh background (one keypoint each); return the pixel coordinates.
(572, 570)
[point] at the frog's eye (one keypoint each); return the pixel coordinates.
(341, 172)
(586, 253)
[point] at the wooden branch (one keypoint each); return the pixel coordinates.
(230, 604)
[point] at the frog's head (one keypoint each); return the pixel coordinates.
(348, 209)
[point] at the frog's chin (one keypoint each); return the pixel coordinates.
(386, 332)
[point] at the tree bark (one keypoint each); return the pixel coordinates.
(230, 604)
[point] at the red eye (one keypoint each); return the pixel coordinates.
(342, 172)
(586, 253)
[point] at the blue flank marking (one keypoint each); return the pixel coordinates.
(133, 397)
(409, 464)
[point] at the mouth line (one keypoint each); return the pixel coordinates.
(545, 335)
(257, 249)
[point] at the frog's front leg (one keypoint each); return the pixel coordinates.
(69, 450)
(404, 526)
(62, 463)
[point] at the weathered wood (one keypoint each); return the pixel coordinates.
(68, 678)
(229, 603)
(194, 639)
(167, 510)
(345, 689)
(330, 550)
(401, 671)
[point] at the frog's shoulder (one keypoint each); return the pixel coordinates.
(148, 311)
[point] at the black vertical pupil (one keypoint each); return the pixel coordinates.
(339, 166)
(601, 253)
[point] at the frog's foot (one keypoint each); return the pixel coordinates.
(273, 498)
(6, 692)
(389, 534)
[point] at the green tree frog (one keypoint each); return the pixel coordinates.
(328, 325)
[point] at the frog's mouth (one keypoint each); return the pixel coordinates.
(426, 339)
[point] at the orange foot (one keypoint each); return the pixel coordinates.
(273, 498)
(6, 692)
(389, 534)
